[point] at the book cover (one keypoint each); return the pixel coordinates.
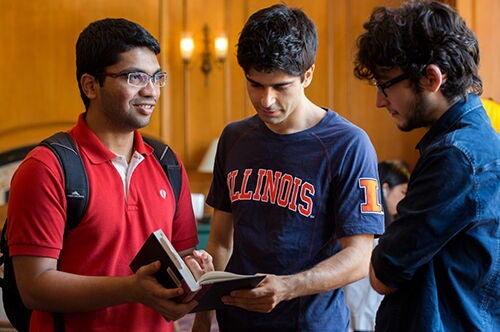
(175, 273)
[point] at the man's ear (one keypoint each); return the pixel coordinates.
(308, 76)
(433, 79)
(89, 85)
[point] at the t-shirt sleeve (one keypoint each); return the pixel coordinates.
(355, 189)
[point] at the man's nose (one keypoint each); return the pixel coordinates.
(151, 90)
(380, 99)
(268, 98)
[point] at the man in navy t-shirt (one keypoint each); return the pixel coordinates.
(295, 190)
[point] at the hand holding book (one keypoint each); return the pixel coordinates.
(207, 290)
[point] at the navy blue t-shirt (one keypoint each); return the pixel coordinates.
(292, 198)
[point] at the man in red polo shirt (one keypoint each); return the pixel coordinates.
(85, 274)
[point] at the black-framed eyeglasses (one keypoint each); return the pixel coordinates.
(139, 79)
(391, 82)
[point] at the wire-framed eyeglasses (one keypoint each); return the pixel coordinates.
(140, 79)
(391, 82)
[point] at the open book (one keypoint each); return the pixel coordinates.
(175, 273)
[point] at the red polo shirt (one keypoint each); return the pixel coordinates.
(111, 232)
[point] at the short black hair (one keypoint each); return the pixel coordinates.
(394, 173)
(278, 38)
(415, 35)
(101, 43)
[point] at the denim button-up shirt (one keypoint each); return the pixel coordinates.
(442, 253)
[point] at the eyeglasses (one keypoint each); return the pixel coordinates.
(139, 79)
(389, 83)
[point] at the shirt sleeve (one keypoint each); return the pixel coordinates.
(439, 204)
(37, 206)
(356, 189)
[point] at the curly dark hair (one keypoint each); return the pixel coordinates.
(415, 35)
(278, 38)
(101, 43)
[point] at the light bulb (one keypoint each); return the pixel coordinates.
(187, 47)
(221, 48)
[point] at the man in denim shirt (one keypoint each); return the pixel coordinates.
(438, 263)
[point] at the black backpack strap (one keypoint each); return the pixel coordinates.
(75, 176)
(76, 188)
(169, 163)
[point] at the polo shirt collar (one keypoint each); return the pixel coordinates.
(89, 143)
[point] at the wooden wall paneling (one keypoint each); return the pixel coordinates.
(389, 142)
(228, 27)
(337, 57)
(165, 24)
(177, 87)
(204, 101)
(239, 105)
(38, 39)
(466, 10)
(317, 92)
(34, 63)
(204, 114)
(482, 16)
(449, 2)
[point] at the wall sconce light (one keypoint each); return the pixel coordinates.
(187, 48)
(220, 50)
(220, 46)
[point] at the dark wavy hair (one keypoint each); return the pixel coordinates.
(278, 38)
(393, 173)
(415, 35)
(101, 43)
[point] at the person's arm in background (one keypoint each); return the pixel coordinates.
(220, 247)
